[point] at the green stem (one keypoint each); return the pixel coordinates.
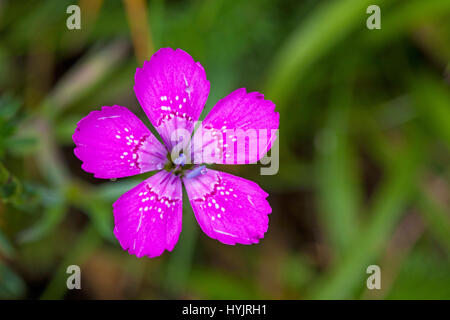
(180, 261)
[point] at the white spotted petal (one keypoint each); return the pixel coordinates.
(228, 208)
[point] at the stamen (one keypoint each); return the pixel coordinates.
(181, 160)
(197, 171)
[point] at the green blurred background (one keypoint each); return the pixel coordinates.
(364, 147)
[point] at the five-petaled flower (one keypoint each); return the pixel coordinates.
(112, 143)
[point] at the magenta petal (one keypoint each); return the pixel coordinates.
(228, 208)
(148, 217)
(172, 89)
(240, 129)
(114, 143)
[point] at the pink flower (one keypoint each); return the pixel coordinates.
(172, 89)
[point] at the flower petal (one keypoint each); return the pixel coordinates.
(114, 143)
(172, 89)
(228, 208)
(148, 217)
(240, 129)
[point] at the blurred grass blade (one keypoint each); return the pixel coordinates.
(435, 217)
(332, 21)
(388, 205)
(9, 106)
(86, 243)
(337, 171)
(111, 191)
(11, 285)
(296, 271)
(84, 75)
(181, 259)
(6, 248)
(50, 160)
(338, 190)
(409, 14)
(52, 217)
(99, 211)
(10, 186)
(140, 29)
(433, 105)
(422, 276)
(101, 215)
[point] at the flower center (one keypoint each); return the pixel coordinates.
(178, 166)
(181, 160)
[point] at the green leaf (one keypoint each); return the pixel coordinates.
(11, 285)
(338, 191)
(324, 28)
(10, 186)
(101, 215)
(52, 217)
(406, 17)
(9, 107)
(337, 171)
(6, 247)
(296, 272)
(432, 101)
(424, 275)
(436, 218)
(387, 207)
(181, 259)
(85, 244)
